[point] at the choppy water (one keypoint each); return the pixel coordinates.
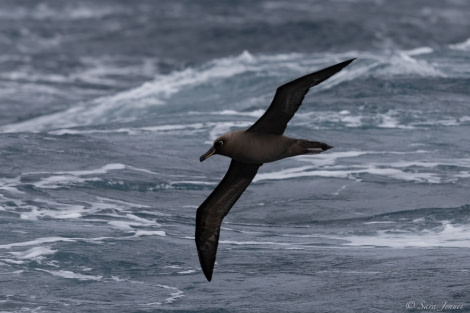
(105, 108)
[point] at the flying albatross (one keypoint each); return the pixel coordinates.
(261, 143)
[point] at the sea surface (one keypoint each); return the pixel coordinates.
(106, 106)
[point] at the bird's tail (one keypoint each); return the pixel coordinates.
(313, 147)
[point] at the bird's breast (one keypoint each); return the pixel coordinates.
(259, 148)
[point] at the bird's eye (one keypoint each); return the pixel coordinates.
(220, 143)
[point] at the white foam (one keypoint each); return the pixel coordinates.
(419, 51)
(7, 184)
(148, 95)
(300, 172)
(132, 221)
(116, 108)
(11, 189)
(389, 121)
(122, 203)
(325, 165)
(463, 174)
(330, 158)
(170, 129)
(111, 208)
(255, 113)
(447, 235)
(141, 233)
(76, 11)
(117, 278)
(57, 181)
(172, 266)
(341, 172)
(139, 102)
(174, 295)
(463, 46)
(102, 170)
(401, 175)
(72, 275)
(403, 63)
(192, 182)
(131, 226)
(141, 221)
(35, 253)
(348, 119)
(11, 261)
(35, 242)
(65, 212)
(45, 240)
(65, 178)
(256, 243)
(122, 225)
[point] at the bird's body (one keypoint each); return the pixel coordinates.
(259, 148)
(263, 142)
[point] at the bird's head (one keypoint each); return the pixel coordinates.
(218, 147)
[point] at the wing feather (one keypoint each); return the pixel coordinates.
(210, 213)
(288, 99)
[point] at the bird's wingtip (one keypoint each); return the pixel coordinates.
(326, 147)
(208, 276)
(347, 62)
(207, 261)
(207, 270)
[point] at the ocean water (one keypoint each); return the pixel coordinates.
(106, 106)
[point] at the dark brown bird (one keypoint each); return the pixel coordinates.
(249, 149)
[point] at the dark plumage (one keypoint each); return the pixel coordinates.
(261, 143)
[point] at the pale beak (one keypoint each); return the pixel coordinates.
(207, 154)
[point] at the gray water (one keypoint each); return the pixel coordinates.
(105, 108)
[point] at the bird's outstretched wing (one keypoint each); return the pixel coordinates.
(289, 97)
(211, 212)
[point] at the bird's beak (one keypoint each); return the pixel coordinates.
(207, 154)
